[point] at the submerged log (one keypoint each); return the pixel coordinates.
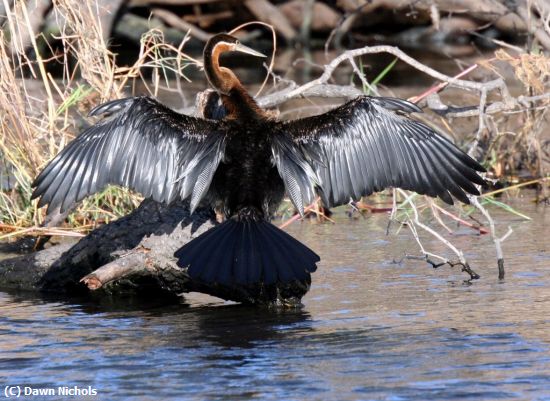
(135, 255)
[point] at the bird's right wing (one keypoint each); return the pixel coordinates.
(143, 145)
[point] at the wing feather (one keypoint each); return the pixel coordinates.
(367, 145)
(99, 174)
(142, 145)
(79, 181)
(295, 171)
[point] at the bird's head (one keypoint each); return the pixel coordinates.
(221, 78)
(223, 42)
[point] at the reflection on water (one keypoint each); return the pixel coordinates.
(370, 329)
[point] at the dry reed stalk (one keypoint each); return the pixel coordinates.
(35, 127)
(83, 37)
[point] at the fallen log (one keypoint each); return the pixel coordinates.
(134, 255)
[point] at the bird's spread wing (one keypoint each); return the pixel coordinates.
(367, 145)
(142, 145)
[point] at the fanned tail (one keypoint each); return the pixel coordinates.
(247, 251)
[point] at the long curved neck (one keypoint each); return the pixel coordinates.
(235, 98)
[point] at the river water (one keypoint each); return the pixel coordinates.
(370, 329)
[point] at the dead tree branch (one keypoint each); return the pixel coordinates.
(349, 55)
(497, 241)
(127, 265)
(415, 222)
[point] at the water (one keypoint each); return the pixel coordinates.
(371, 329)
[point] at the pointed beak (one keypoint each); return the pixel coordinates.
(245, 49)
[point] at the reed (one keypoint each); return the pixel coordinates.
(520, 139)
(39, 115)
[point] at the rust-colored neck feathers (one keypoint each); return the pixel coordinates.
(221, 78)
(235, 98)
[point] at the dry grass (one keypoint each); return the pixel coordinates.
(40, 115)
(520, 140)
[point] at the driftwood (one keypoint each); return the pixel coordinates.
(512, 17)
(135, 255)
(293, 20)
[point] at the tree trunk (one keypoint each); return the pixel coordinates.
(135, 255)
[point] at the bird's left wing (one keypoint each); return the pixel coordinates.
(142, 145)
(367, 145)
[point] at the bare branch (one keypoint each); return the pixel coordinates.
(498, 241)
(349, 55)
(413, 223)
(481, 125)
(126, 265)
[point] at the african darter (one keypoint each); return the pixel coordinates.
(244, 163)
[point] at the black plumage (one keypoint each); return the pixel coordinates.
(241, 160)
(364, 146)
(142, 145)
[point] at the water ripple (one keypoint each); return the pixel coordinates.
(371, 330)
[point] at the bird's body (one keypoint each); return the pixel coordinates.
(242, 161)
(243, 179)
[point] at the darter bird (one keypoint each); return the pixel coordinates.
(245, 162)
